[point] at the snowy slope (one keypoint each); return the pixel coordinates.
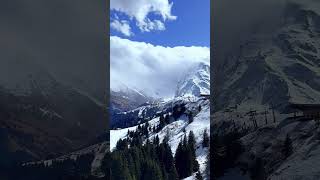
(272, 70)
(129, 105)
(116, 135)
(195, 82)
(175, 129)
(146, 111)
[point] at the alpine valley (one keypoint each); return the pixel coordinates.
(258, 134)
(42, 118)
(165, 132)
(150, 137)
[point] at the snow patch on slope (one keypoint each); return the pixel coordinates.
(195, 82)
(176, 130)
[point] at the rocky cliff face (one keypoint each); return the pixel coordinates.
(277, 68)
(267, 73)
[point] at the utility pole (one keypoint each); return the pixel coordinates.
(252, 115)
(265, 116)
(255, 121)
(274, 117)
(234, 123)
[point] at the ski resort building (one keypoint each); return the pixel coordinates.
(311, 111)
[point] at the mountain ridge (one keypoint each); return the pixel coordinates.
(271, 69)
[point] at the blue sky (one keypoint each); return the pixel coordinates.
(160, 40)
(190, 28)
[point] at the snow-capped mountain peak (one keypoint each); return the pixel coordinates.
(195, 82)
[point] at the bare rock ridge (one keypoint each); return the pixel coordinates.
(278, 68)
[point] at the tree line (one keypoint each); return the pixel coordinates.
(153, 160)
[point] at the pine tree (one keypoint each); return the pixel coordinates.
(122, 144)
(179, 161)
(145, 131)
(147, 145)
(156, 140)
(167, 136)
(151, 171)
(136, 156)
(167, 160)
(185, 157)
(173, 175)
(167, 119)
(184, 141)
(132, 165)
(205, 141)
(119, 170)
(190, 166)
(191, 148)
(162, 122)
(287, 147)
(207, 170)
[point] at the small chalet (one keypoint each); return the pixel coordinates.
(308, 110)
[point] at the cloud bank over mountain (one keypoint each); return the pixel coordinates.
(153, 69)
(236, 20)
(59, 36)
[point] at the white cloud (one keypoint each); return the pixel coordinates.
(154, 69)
(121, 26)
(140, 9)
(152, 25)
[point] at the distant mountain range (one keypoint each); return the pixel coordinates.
(44, 117)
(196, 81)
(129, 108)
(128, 104)
(126, 99)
